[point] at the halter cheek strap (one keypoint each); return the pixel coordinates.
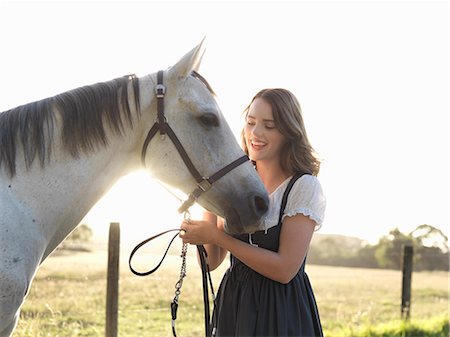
(161, 125)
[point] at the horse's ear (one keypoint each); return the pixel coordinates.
(189, 62)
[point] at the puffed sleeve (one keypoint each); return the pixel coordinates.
(307, 198)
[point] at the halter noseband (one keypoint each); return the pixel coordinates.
(161, 125)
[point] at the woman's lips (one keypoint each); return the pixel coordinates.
(257, 145)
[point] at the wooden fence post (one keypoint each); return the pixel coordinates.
(112, 282)
(406, 281)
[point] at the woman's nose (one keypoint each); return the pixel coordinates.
(256, 130)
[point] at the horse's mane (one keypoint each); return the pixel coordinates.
(84, 113)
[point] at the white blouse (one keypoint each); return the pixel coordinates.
(306, 197)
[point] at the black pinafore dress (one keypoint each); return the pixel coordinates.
(249, 304)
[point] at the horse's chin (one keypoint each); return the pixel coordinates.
(235, 225)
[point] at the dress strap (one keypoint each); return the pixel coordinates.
(286, 194)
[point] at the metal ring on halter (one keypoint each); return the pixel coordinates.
(160, 90)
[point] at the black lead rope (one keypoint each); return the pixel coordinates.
(210, 330)
(206, 279)
(134, 271)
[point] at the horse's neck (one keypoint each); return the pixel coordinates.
(49, 202)
(54, 199)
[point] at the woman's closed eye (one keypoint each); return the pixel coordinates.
(267, 126)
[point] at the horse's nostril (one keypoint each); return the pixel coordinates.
(261, 205)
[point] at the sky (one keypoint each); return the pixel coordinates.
(372, 78)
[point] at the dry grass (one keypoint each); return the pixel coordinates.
(67, 297)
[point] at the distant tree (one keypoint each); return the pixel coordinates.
(329, 250)
(333, 248)
(430, 236)
(365, 257)
(81, 234)
(431, 251)
(77, 240)
(339, 250)
(388, 252)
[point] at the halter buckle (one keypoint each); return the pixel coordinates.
(160, 90)
(204, 185)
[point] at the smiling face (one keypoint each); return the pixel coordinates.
(262, 138)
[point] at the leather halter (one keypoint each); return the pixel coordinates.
(161, 125)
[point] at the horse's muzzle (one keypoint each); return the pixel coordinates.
(246, 218)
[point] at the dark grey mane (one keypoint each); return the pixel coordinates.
(84, 112)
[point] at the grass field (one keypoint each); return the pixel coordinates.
(67, 299)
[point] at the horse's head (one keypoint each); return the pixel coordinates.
(195, 118)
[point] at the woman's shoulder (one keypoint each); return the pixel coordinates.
(304, 186)
(306, 183)
(307, 197)
(307, 187)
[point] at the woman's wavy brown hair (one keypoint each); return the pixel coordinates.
(297, 154)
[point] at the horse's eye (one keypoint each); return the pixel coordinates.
(209, 120)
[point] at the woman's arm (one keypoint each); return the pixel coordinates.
(216, 254)
(280, 266)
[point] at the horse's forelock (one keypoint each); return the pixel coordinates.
(204, 81)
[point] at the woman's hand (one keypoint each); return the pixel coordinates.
(199, 232)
